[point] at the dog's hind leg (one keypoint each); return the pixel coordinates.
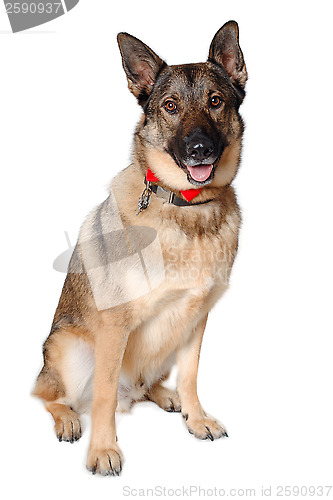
(63, 384)
(67, 423)
(165, 398)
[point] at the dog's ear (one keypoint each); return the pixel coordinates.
(225, 51)
(141, 65)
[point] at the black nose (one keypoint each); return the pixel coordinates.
(199, 148)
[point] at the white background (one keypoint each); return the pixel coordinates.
(266, 368)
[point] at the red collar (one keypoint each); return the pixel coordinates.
(188, 194)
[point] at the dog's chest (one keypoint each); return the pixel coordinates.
(188, 276)
(198, 261)
(166, 318)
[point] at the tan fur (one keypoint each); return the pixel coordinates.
(113, 340)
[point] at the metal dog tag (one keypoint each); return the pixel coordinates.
(144, 200)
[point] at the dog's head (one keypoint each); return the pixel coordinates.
(191, 130)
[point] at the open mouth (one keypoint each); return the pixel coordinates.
(200, 173)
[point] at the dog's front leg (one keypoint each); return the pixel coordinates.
(104, 454)
(197, 421)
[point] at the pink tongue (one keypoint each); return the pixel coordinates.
(200, 173)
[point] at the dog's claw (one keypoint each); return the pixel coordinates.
(93, 470)
(209, 434)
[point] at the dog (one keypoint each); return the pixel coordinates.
(155, 256)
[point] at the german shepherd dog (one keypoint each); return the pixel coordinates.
(155, 256)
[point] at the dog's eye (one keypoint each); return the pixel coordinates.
(170, 106)
(215, 101)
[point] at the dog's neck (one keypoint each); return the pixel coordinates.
(151, 182)
(188, 194)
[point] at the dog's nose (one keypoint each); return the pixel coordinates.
(200, 148)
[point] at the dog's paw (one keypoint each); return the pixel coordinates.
(68, 427)
(171, 403)
(105, 462)
(165, 398)
(205, 428)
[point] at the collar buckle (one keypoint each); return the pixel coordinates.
(166, 195)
